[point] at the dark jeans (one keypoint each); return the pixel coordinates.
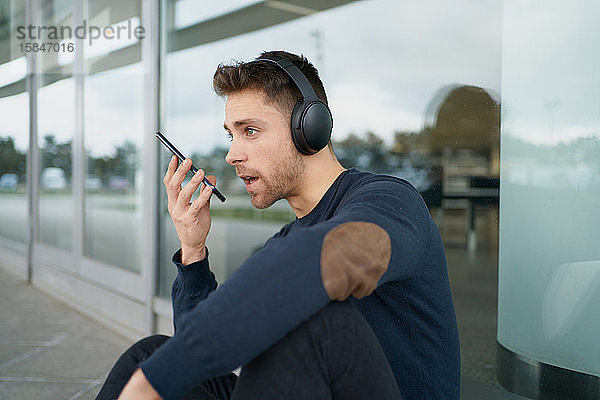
(333, 355)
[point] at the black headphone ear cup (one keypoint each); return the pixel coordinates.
(297, 134)
(317, 123)
(311, 126)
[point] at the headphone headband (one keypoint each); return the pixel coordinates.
(302, 83)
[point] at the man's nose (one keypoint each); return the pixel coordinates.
(236, 154)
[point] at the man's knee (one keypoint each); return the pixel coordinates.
(334, 330)
(355, 362)
(143, 348)
(339, 311)
(127, 364)
(337, 318)
(154, 340)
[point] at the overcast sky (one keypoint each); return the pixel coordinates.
(550, 73)
(381, 61)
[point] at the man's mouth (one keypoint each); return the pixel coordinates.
(249, 181)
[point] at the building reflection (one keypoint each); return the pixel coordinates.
(454, 160)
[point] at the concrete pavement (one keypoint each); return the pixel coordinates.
(48, 350)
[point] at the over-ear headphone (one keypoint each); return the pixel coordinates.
(311, 118)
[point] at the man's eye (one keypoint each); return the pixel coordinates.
(250, 131)
(229, 136)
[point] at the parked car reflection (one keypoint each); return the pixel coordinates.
(93, 183)
(9, 182)
(119, 183)
(53, 179)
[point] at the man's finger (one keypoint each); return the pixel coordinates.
(170, 170)
(188, 190)
(212, 179)
(359, 292)
(202, 200)
(179, 175)
(171, 192)
(364, 290)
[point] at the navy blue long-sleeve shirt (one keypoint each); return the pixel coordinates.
(279, 287)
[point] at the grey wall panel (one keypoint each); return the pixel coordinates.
(123, 315)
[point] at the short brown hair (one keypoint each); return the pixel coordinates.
(268, 78)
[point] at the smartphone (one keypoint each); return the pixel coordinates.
(181, 157)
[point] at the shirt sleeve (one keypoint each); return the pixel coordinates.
(398, 208)
(193, 283)
(274, 291)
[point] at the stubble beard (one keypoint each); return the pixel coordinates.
(281, 183)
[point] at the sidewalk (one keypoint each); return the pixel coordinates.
(48, 350)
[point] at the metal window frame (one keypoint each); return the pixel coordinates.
(151, 59)
(33, 162)
(77, 147)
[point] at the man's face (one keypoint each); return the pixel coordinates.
(261, 150)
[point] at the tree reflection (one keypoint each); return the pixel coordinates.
(54, 154)
(12, 161)
(116, 171)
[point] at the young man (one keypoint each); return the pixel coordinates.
(349, 301)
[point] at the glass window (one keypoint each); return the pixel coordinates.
(14, 130)
(113, 123)
(190, 12)
(56, 124)
(549, 265)
(56, 120)
(413, 89)
(14, 140)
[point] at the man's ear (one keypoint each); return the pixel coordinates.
(354, 256)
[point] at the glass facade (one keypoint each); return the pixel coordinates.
(550, 203)
(56, 130)
(414, 88)
(14, 132)
(14, 140)
(113, 115)
(56, 123)
(113, 123)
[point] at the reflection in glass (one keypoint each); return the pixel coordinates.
(14, 130)
(380, 89)
(113, 122)
(189, 12)
(549, 258)
(113, 135)
(56, 129)
(56, 121)
(14, 139)
(13, 71)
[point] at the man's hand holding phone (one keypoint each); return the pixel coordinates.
(191, 219)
